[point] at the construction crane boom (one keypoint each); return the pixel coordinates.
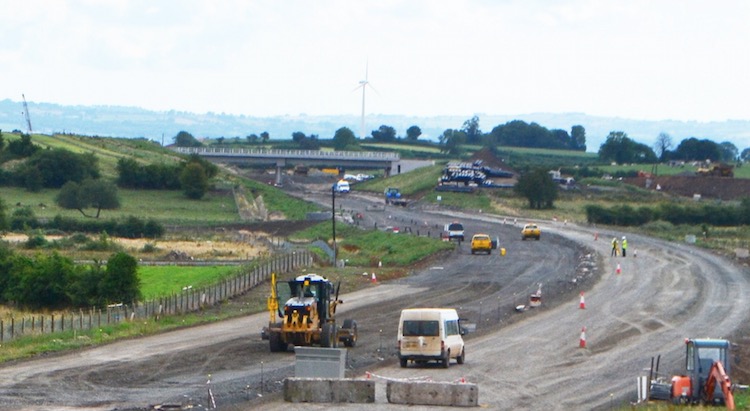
(26, 113)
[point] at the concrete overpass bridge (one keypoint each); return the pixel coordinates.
(283, 158)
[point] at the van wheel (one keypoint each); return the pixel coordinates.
(404, 361)
(460, 359)
(447, 360)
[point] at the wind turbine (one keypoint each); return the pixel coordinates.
(363, 84)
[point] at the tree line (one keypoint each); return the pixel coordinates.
(716, 215)
(56, 282)
(618, 147)
(621, 149)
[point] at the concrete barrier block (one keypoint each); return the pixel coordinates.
(329, 390)
(433, 393)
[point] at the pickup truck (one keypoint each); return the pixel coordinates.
(455, 231)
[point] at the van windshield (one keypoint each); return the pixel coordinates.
(455, 227)
(421, 328)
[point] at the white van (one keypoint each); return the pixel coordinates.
(342, 186)
(430, 334)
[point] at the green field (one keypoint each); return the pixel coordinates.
(169, 207)
(402, 147)
(163, 281)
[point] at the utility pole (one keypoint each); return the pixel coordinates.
(333, 220)
(26, 114)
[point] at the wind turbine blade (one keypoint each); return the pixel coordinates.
(373, 88)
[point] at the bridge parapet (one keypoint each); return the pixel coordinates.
(290, 154)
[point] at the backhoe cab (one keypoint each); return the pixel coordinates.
(706, 378)
(307, 315)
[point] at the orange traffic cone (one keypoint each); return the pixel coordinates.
(583, 303)
(618, 270)
(374, 279)
(582, 342)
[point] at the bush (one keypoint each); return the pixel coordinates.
(35, 241)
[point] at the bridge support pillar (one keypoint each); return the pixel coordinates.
(279, 165)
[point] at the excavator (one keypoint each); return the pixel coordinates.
(706, 377)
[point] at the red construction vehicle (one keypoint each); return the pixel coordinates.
(706, 378)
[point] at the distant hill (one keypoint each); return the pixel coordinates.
(162, 126)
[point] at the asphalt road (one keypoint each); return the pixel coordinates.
(528, 360)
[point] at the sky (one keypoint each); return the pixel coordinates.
(641, 59)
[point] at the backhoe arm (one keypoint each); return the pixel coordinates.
(718, 375)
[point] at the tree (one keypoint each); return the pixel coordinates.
(518, 133)
(745, 156)
(538, 188)
(413, 133)
(185, 139)
(264, 136)
(40, 283)
(561, 139)
(3, 217)
(23, 147)
(252, 139)
(194, 181)
(621, 149)
(298, 136)
(98, 194)
(57, 166)
(384, 134)
(472, 131)
(692, 149)
(120, 282)
(662, 145)
(578, 138)
(729, 152)
(451, 141)
(344, 139)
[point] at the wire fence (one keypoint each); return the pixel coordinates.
(188, 300)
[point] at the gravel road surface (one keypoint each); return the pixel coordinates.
(528, 360)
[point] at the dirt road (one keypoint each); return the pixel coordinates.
(520, 361)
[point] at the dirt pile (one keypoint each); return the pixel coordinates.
(721, 188)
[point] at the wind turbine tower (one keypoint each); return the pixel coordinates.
(363, 84)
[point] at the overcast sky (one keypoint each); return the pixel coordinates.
(640, 59)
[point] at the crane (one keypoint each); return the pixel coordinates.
(26, 113)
